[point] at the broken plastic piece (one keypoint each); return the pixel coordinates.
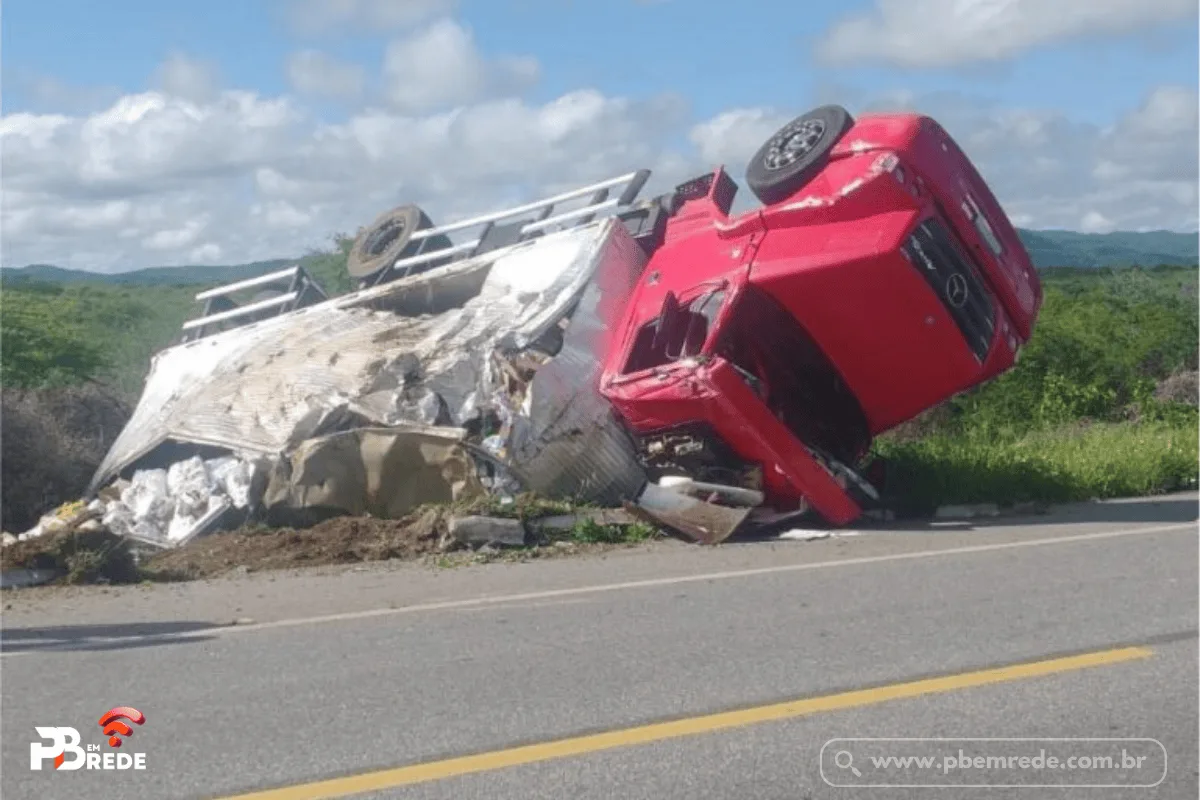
(706, 523)
(734, 495)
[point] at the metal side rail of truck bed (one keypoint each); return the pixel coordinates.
(490, 232)
(299, 290)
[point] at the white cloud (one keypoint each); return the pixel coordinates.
(159, 179)
(1156, 142)
(173, 239)
(47, 93)
(209, 253)
(941, 33)
(439, 67)
(1052, 172)
(186, 77)
(315, 73)
(1095, 222)
(731, 137)
(368, 16)
(145, 143)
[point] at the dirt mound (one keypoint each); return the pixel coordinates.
(53, 441)
(343, 540)
(79, 556)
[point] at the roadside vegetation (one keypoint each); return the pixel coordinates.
(58, 334)
(1102, 403)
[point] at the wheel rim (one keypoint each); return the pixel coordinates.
(792, 143)
(382, 239)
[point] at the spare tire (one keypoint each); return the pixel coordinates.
(389, 238)
(796, 153)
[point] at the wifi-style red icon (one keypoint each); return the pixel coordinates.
(112, 724)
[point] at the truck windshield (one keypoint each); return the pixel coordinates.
(679, 331)
(794, 377)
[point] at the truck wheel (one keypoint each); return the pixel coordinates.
(796, 153)
(387, 239)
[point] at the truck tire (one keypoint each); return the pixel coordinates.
(796, 153)
(387, 239)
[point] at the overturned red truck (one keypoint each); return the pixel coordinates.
(880, 278)
(761, 350)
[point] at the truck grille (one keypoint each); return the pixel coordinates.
(955, 281)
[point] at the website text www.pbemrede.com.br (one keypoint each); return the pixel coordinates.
(1030, 763)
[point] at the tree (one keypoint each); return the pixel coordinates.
(329, 266)
(42, 342)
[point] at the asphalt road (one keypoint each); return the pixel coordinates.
(665, 672)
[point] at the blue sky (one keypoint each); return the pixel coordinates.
(718, 59)
(1085, 66)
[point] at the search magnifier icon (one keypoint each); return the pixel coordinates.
(845, 760)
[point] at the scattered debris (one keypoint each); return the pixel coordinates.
(477, 531)
(707, 523)
(596, 516)
(800, 535)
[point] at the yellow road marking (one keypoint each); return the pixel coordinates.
(655, 732)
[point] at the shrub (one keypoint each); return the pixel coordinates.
(43, 342)
(1101, 347)
(53, 440)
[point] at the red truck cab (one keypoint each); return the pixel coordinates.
(880, 278)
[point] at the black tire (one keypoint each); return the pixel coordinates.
(796, 153)
(387, 239)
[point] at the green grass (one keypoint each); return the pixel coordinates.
(588, 531)
(1062, 464)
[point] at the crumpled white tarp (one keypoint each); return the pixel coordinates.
(417, 350)
(402, 352)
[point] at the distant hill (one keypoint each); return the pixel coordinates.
(152, 276)
(1047, 248)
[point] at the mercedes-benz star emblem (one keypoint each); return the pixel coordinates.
(956, 291)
